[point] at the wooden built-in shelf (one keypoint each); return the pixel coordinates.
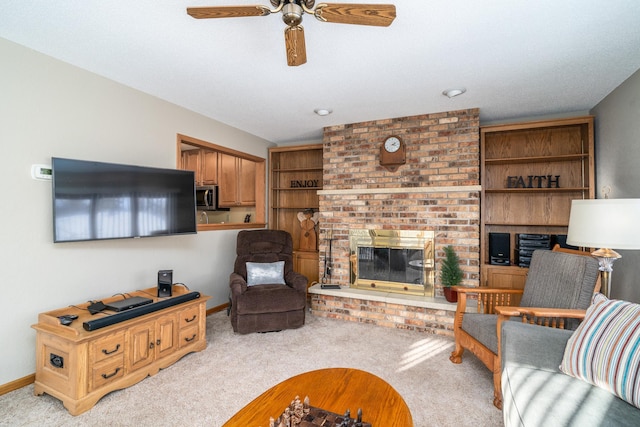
(318, 169)
(536, 190)
(289, 164)
(528, 224)
(517, 152)
(536, 159)
(291, 207)
(296, 188)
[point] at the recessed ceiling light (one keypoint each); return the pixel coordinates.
(323, 111)
(454, 92)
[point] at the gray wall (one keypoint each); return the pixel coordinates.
(618, 167)
(50, 108)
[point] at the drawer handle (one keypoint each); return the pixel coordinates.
(107, 376)
(112, 351)
(190, 320)
(190, 339)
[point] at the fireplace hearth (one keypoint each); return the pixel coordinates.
(400, 261)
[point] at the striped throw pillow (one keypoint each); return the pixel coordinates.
(605, 349)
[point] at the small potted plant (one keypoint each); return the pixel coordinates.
(450, 273)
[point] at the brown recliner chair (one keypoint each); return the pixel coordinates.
(266, 306)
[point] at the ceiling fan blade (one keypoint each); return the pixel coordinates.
(381, 15)
(227, 11)
(294, 42)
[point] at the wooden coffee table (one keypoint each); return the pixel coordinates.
(334, 390)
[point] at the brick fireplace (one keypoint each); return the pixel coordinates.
(437, 190)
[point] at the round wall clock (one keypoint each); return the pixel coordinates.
(392, 144)
(392, 153)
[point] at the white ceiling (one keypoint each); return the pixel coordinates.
(516, 58)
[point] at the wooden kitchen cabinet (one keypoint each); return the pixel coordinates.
(237, 181)
(209, 173)
(204, 164)
(79, 367)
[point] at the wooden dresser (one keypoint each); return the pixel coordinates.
(79, 367)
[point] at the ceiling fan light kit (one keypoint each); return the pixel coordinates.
(380, 15)
(294, 43)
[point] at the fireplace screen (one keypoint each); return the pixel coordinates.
(392, 260)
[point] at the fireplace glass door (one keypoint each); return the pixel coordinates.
(391, 264)
(392, 261)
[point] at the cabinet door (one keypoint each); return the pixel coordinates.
(228, 180)
(141, 343)
(237, 181)
(166, 335)
(247, 183)
(307, 264)
(503, 277)
(191, 162)
(209, 165)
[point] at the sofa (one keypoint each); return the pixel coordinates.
(536, 393)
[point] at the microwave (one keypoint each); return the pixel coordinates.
(207, 198)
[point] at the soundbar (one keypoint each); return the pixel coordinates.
(92, 325)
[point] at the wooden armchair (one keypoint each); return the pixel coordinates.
(556, 282)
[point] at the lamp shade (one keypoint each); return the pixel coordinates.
(605, 223)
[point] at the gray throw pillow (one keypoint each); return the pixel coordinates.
(265, 273)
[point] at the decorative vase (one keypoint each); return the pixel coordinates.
(450, 294)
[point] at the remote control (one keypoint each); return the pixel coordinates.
(325, 286)
(67, 319)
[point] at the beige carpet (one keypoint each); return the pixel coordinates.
(207, 388)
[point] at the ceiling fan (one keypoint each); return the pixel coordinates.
(381, 15)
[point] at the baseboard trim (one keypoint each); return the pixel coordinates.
(217, 308)
(16, 384)
(30, 379)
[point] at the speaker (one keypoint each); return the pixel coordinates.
(165, 280)
(101, 322)
(499, 248)
(561, 239)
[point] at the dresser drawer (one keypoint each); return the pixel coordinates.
(106, 372)
(189, 316)
(188, 335)
(106, 347)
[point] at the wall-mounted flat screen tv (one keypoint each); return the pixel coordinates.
(95, 200)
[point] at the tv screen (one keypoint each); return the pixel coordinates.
(94, 201)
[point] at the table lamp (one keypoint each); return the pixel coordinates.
(605, 224)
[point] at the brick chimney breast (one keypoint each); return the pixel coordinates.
(438, 188)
